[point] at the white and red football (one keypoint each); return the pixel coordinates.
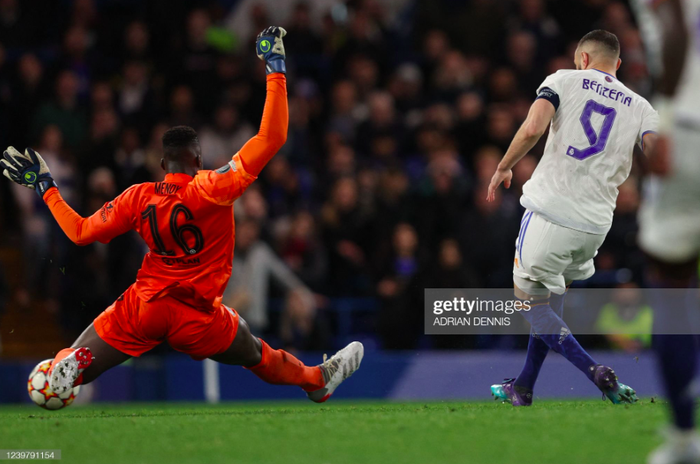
(40, 392)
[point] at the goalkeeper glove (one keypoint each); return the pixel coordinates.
(269, 47)
(28, 169)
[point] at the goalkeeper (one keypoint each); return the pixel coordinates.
(187, 222)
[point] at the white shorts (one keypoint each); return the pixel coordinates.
(548, 255)
(669, 217)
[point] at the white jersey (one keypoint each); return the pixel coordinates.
(687, 99)
(669, 216)
(686, 102)
(589, 148)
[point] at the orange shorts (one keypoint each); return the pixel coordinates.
(134, 326)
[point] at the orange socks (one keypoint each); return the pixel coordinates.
(281, 368)
(59, 356)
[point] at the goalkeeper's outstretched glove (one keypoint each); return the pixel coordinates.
(28, 169)
(270, 48)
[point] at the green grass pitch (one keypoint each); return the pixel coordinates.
(340, 432)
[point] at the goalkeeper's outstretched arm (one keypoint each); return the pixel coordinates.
(273, 128)
(102, 226)
(260, 149)
(226, 184)
(29, 170)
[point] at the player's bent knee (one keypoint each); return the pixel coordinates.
(530, 293)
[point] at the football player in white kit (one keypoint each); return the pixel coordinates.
(594, 122)
(670, 212)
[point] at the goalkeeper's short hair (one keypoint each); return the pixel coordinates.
(176, 138)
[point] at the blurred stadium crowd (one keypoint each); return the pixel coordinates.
(399, 113)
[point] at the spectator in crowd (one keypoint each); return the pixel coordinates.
(65, 111)
(491, 253)
(224, 137)
(627, 320)
(381, 123)
(28, 92)
(442, 198)
(136, 99)
(346, 231)
(450, 271)
(254, 265)
(77, 58)
(469, 130)
(98, 151)
(197, 59)
(345, 110)
(302, 251)
(534, 18)
(137, 43)
(399, 274)
(38, 226)
(620, 247)
(130, 159)
(305, 42)
(182, 108)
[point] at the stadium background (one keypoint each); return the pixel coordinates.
(399, 113)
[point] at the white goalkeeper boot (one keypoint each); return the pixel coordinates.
(336, 369)
(68, 369)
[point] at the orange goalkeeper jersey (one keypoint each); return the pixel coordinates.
(186, 222)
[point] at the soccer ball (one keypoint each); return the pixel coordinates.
(40, 392)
